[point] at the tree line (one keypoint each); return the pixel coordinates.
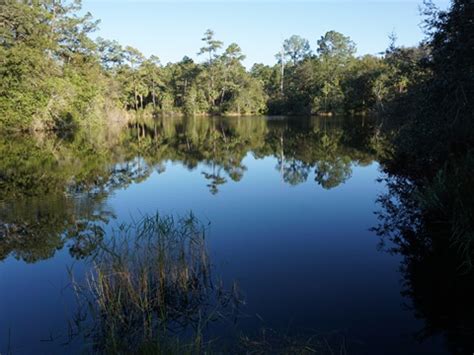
(54, 75)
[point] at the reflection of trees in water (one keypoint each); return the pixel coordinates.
(215, 179)
(293, 171)
(435, 280)
(30, 231)
(319, 147)
(54, 187)
(330, 174)
(34, 228)
(54, 191)
(325, 146)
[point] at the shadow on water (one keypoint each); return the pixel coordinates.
(437, 277)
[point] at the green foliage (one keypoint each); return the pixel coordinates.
(332, 82)
(212, 45)
(296, 49)
(221, 85)
(365, 85)
(335, 45)
(48, 67)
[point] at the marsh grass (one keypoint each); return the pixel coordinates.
(150, 287)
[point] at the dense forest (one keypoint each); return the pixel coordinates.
(54, 75)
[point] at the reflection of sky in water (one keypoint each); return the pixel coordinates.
(303, 255)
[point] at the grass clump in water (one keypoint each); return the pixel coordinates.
(151, 286)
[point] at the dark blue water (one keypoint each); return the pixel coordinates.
(299, 246)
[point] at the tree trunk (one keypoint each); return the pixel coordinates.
(136, 98)
(282, 70)
(222, 96)
(282, 156)
(153, 95)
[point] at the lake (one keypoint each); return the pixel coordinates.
(289, 204)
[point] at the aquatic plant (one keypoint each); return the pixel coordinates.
(150, 286)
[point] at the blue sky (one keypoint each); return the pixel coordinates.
(173, 29)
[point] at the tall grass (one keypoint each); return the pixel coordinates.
(151, 286)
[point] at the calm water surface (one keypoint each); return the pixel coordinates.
(290, 202)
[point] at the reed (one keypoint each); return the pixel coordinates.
(150, 287)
